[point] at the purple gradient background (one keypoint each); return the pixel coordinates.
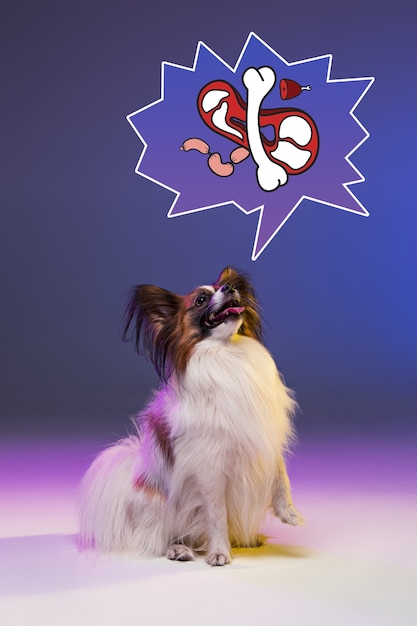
(79, 227)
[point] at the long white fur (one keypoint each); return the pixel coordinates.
(230, 423)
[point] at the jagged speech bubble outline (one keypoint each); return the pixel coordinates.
(164, 124)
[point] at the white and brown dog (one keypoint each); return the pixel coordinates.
(207, 460)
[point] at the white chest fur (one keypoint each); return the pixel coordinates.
(233, 390)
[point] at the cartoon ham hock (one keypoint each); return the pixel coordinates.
(295, 142)
(289, 89)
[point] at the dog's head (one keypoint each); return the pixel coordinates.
(167, 326)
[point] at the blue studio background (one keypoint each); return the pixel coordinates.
(79, 227)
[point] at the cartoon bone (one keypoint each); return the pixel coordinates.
(259, 83)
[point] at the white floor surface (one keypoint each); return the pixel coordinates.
(353, 564)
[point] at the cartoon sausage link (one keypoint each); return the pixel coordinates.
(195, 144)
(218, 167)
(214, 161)
(239, 154)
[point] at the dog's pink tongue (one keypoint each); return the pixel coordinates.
(233, 310)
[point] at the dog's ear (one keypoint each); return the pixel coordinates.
(151, 314)
(153, 303)
(227, 275)
(252, 324)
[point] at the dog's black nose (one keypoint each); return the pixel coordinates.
(228, 288)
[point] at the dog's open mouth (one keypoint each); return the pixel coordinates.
(215, 318)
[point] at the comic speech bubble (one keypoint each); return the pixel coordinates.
(263, 135)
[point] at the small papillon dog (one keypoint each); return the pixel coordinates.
(207, 459)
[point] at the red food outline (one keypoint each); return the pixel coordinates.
(236, 119)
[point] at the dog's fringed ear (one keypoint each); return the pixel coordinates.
(151, 316)
(252, 324)
(226, 276)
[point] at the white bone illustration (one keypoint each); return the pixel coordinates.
(259, 83)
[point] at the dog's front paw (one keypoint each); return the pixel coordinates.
(179, 552)
(218, 558)
(290, 515)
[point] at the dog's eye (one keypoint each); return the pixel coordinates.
(200, 300)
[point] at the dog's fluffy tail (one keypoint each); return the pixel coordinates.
(106, 498)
